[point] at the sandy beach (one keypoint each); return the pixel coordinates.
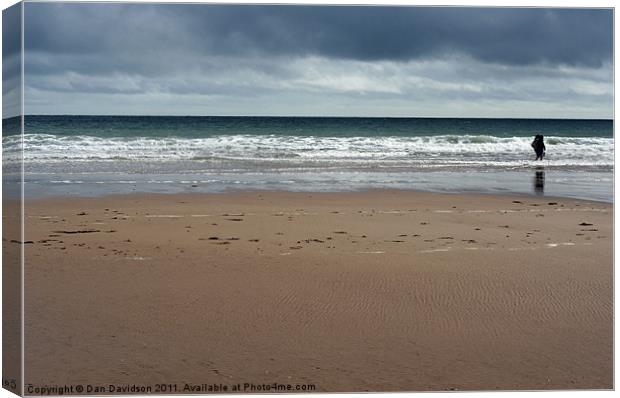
(368, 291)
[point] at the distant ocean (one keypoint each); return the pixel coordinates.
(94, 155)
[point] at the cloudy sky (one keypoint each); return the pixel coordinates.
(183, 59)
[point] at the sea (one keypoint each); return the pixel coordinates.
(97, 155)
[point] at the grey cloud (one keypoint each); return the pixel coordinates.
(11, 31)
(336, 82)
(11, 61)
(381, 61)
(519, 36)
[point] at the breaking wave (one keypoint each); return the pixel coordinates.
(290, 151)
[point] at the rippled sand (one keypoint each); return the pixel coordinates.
(374, 291)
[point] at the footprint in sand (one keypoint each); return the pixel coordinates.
(81, 231)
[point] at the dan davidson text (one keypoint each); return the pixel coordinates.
(165, 388)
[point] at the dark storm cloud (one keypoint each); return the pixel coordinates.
(118, 58)
(497, 35)
(11, 61)
(11, 31)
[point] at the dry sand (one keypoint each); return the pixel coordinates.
(373, 291)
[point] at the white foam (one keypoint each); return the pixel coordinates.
(422, 151)
(447, 249)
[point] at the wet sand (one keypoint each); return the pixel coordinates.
(372, 291)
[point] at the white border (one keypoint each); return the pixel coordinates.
(478, 3)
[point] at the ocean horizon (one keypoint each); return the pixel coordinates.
(91, 155)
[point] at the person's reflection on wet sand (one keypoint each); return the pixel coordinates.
(539, 182)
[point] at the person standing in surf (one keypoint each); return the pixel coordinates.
(539, 146)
